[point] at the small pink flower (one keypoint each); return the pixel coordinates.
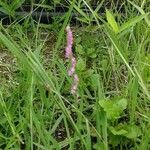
(69, 55)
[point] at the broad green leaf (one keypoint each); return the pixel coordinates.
(133, 131)
(113, 108)
(117, 131)
(122, 103)
(129, 131)
(132, 22)
(112, 22)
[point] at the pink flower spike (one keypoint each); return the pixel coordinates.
(68, 52)
(69, 42)
(72, 69)
(69, 55)
(75, 84)
(69, 35)
(76, 78)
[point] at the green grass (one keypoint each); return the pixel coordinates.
(111, 111)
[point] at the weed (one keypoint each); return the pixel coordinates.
(111, 111)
